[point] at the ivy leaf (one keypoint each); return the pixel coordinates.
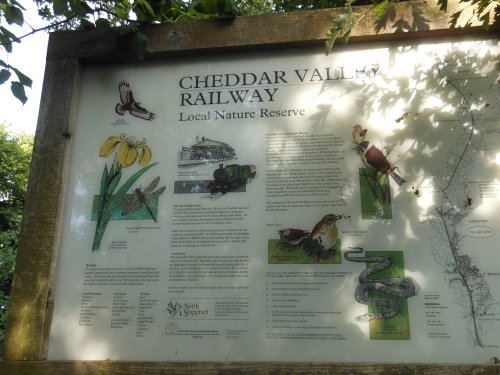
(13, 14)
(4, 76)
(23, 79)
(17, 89)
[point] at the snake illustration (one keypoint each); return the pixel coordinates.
(396, 286)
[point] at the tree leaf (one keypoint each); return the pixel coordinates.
(17, 89)
(133, 45)
(13, 14)
(331, 36)
(60, 6)
(5, 41)
(24, 79)
(4, 76)
(345, 37)
(80, 7)
(86, 24)
(102, 23)
(148, 7)
(121, 10)
(15, 3)
(226, 9)
(11, 36)
(380, 10)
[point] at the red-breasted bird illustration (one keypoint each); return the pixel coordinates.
(128, 103)
(373, 156)
(293, 236)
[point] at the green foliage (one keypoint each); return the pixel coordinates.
(384, 13)
(342, 27)
(15, 157)
(12, 12)
(292, 5)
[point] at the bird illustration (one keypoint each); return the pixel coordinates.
(375, 158)
(128, 103)
(293, 236)
(358, 135)
(323, 237)
(325, 231)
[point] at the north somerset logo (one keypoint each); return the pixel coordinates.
(176, 309)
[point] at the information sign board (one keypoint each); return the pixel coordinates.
(285, 206)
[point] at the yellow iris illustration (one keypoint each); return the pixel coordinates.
(129, 150)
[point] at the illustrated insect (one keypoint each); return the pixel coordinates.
(142, 198)
(128, 103)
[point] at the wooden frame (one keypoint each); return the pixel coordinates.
(31, 304)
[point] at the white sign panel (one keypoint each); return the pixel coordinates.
(285, 206)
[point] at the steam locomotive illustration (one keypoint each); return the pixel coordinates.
(231, 177)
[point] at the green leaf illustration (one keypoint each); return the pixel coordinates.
(132, 180)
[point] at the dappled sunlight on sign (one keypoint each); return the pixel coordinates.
(338, 222)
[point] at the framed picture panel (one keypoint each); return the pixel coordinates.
(242, 201)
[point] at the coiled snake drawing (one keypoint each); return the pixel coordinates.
(396, 286)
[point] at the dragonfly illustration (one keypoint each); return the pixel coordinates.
(142, 198)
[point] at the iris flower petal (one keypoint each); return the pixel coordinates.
(128, 151)
(126, 155)
(109, 146)
(145, 155)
